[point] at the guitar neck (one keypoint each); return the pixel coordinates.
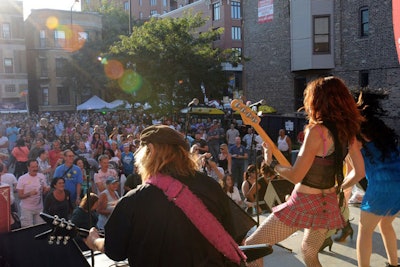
(275, 151)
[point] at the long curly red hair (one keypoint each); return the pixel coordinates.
(329, 100)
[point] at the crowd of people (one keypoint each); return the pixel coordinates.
(101, 170)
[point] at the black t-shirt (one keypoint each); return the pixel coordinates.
(149, 230)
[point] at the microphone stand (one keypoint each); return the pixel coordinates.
(251, 152)
(188, 117)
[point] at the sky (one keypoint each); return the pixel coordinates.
(52, 4)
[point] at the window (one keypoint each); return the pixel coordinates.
(10, 88)
(153, 2)
(321, 34)
(153, 13)
(235, 10)
(8, 65)
(60, 67)
(217, 11)
(42, 39)
(165, 3)
(236, 33)
(140, 3)
(59, 39)
(6, 31)
(140, 15)
(45, 96)
(62, 96)
(126, 6)
(43, 67)
(364, 15)
(364, 79)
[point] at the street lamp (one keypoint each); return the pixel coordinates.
(76, 1)
(130, 17)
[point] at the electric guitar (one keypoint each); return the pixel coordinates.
(63, 231)
(249, 117)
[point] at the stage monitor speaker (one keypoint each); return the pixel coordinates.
(19, 248)
(282, 188)
(277, 191)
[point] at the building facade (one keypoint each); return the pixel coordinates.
(51, 37)
(305, 39)
(226, 14)
(13, 70)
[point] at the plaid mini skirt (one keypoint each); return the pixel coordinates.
(311, 211)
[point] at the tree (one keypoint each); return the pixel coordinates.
(173, 59)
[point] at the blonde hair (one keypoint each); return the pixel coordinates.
(168, 159)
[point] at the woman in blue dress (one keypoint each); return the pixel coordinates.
(381, 202)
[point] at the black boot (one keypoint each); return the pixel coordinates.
(346, 231)
(327, 243)
(388, 265)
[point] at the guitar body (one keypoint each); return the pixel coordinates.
(250, 118)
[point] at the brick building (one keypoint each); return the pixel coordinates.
(13, 71)
(304, 39)
(50, 42)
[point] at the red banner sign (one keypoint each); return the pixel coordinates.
(265, 11)
(396, 25)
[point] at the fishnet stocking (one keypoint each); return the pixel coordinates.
(271, 231)
(312, 242)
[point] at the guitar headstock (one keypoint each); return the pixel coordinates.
(249, 117)
(62, 230)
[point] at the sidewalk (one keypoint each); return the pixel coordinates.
(342, 254)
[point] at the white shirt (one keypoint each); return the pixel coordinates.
(235, 196)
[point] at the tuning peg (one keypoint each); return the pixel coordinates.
(63, 223)
(58, 240)
(51, 239)
(69, 225)
(56, 220)
(66, 239)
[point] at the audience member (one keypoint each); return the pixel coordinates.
(31, 187)
(108, 199)
(239, 155)
(225, 159)
(285, 145)
(231, 190)
(103, 173)
(58, 201)
(72, 175)
(20, 153)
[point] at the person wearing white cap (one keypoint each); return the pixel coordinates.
(107, 201)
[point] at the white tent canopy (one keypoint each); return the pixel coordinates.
(94, 103)
(116, 103)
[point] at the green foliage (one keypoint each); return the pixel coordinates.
(174, 59)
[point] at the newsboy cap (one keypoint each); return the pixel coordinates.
(162, 134)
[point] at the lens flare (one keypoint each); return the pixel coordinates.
(52, 22)
(76, 38)
(130, 81)
(113, 68)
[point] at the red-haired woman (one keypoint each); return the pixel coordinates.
(313, 205)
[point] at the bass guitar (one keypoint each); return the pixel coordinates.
(62, 231)
(249, 117)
